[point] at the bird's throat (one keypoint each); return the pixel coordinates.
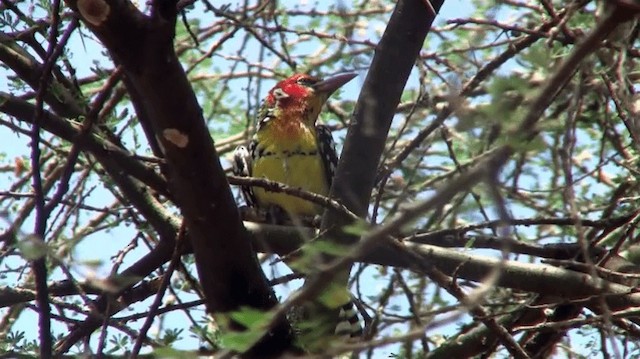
(293, 127)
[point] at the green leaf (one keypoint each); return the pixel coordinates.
(326, 247)
(357, 228)
(256, 322)
(334, 295)
(252, 318)
(240, 341)
(167, 352)
(32, 247)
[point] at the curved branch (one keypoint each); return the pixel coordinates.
(392, 63)
(536, 278)
(228, 269)
(110, 155)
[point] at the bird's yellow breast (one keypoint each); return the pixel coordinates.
(288, 153)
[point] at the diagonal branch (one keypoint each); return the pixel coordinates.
(228, 269)
(394, 59)
(537, 278)
(110, 155)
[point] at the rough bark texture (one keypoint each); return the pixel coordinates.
(393, 61)
(229, 272)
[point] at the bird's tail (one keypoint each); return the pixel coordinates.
(349, 322)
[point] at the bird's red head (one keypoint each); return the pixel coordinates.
(305, 93)
(292, 89)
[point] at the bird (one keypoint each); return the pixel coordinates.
(290, 147)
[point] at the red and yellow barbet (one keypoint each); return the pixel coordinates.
(290, 148)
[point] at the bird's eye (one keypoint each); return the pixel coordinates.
(279, 94)
(307, 81)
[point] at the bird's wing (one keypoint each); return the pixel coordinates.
(327, 151)
(242, 168)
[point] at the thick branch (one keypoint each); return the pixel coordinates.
(229, 272)
(110, 155)
(536, 278)
(28, 68)
(394, 59)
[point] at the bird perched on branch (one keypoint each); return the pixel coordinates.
(291, 148)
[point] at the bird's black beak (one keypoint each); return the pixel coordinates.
(331, 84)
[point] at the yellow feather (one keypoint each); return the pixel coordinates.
(290, 143)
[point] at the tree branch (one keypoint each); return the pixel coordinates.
(355, 176)
(228, 269)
